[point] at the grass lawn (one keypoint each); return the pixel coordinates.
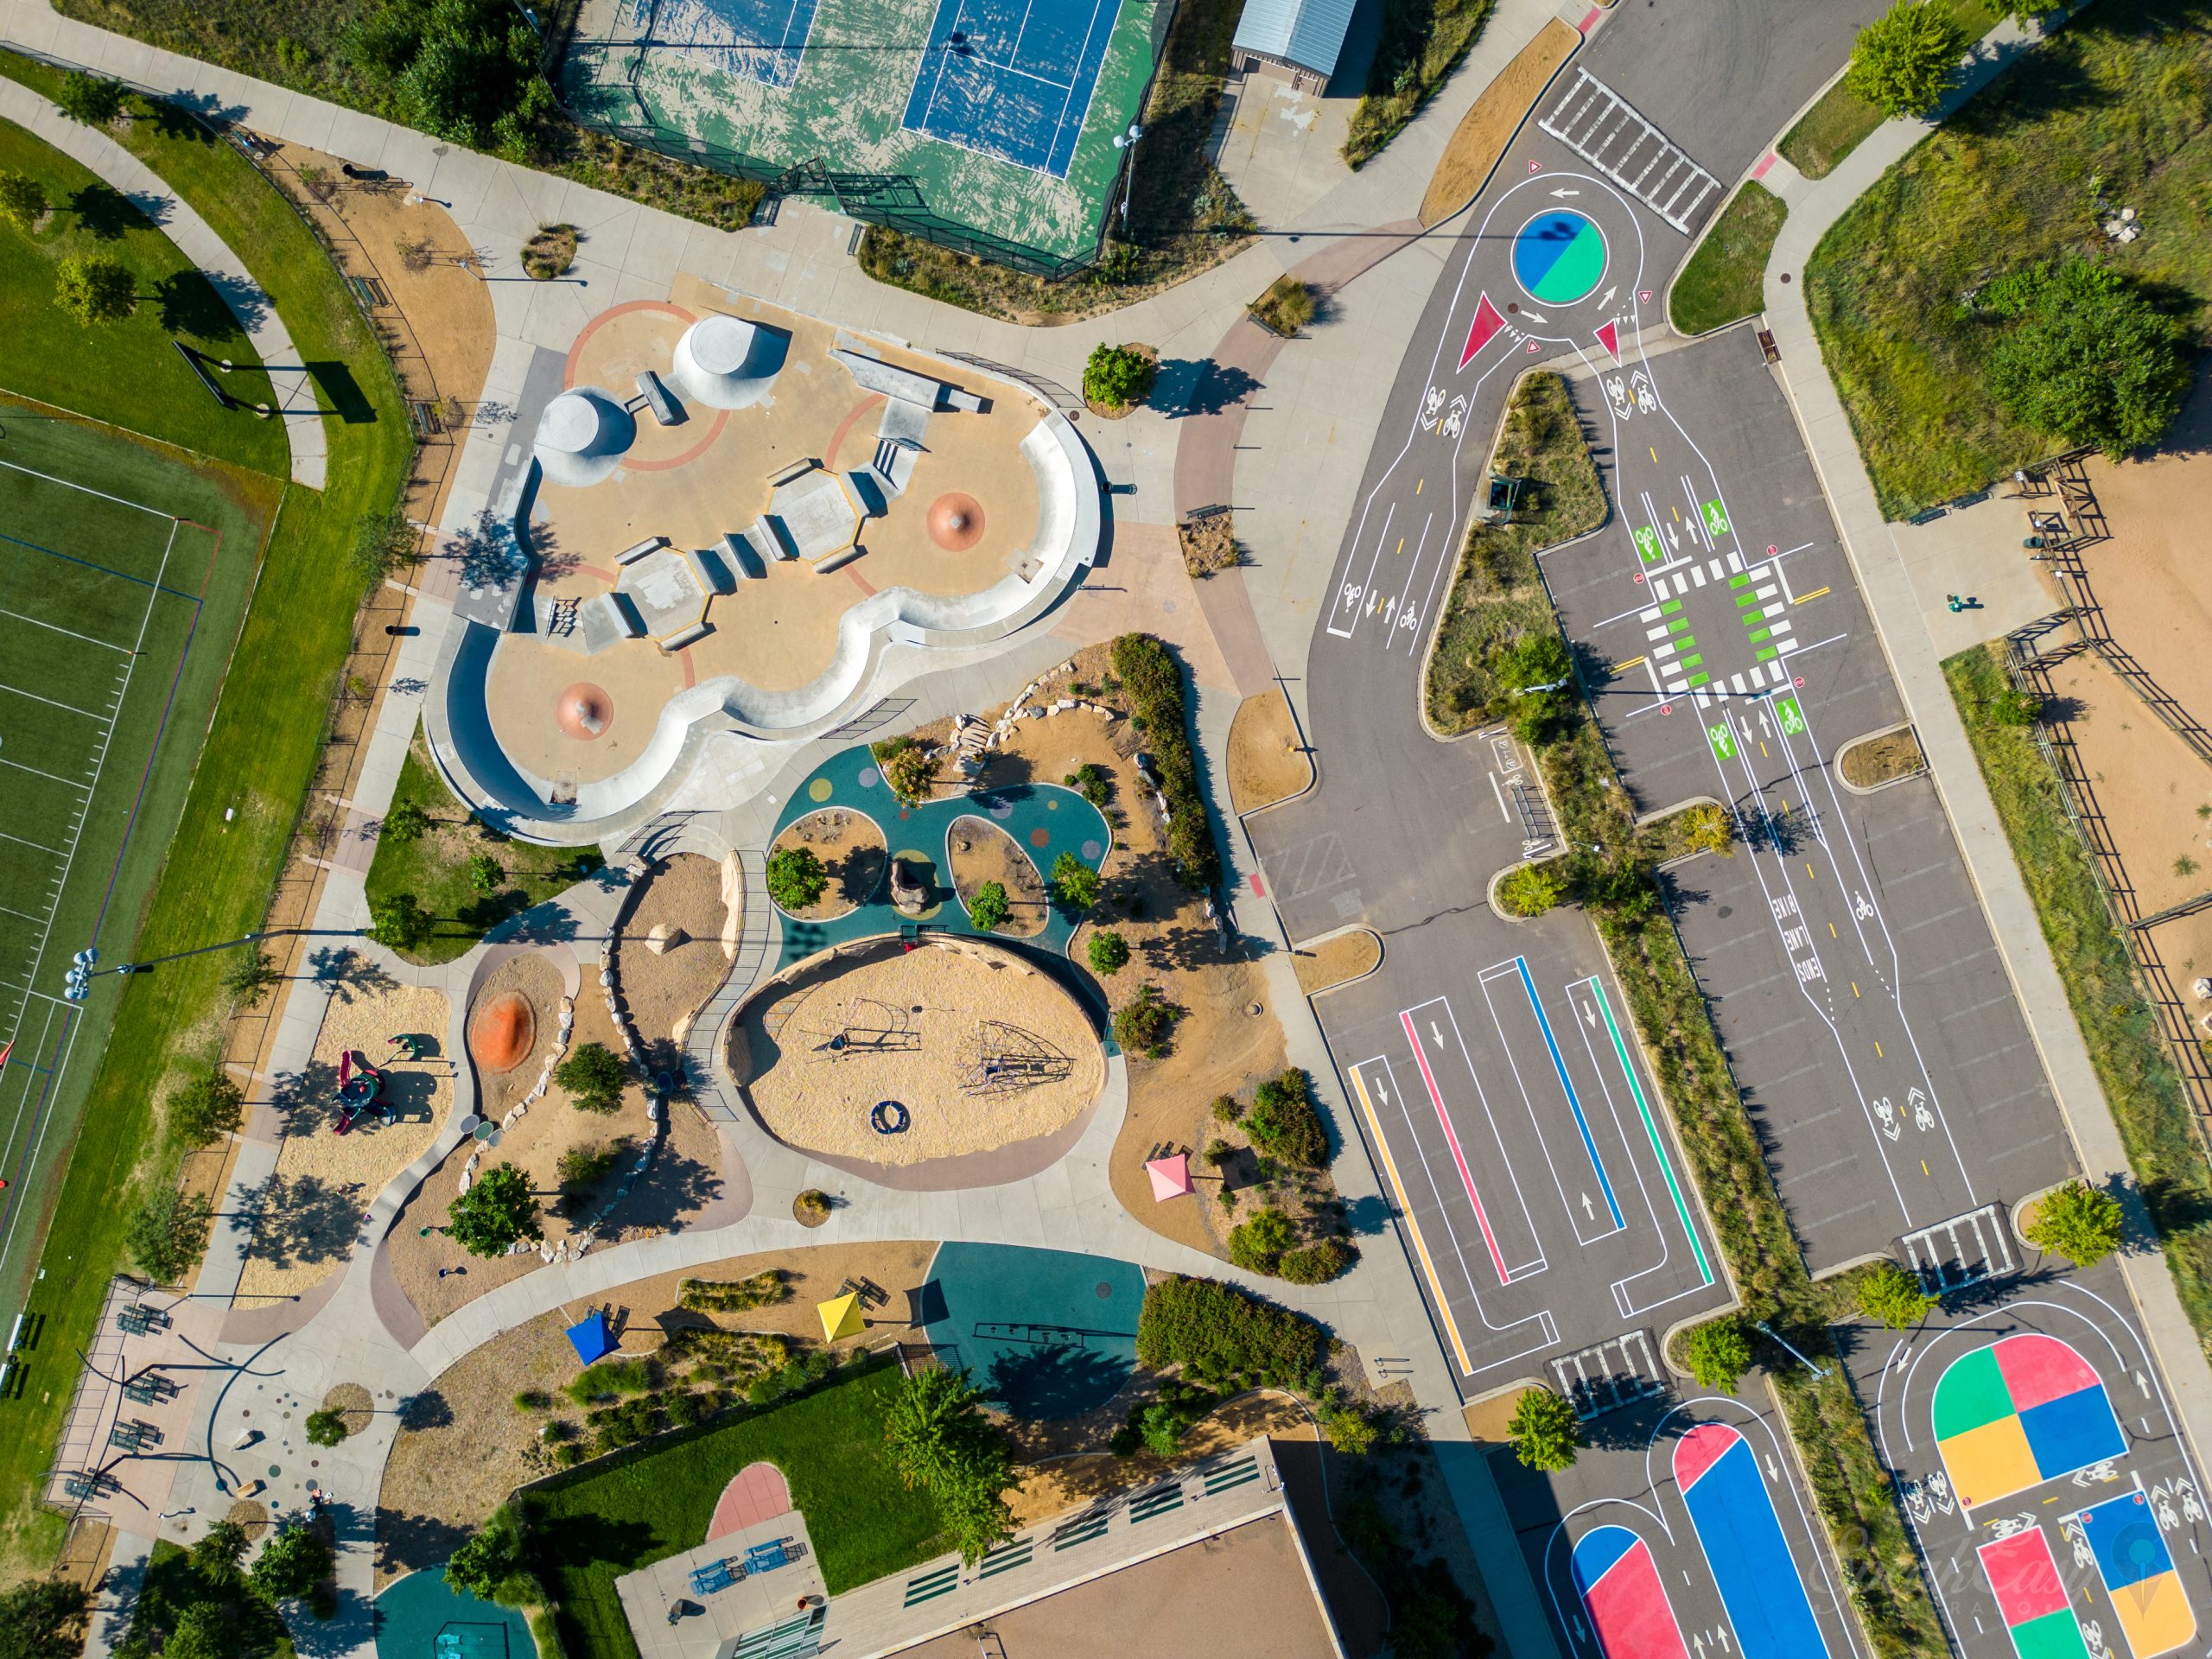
(1496, 595)
(1422, 42)
(1726, 278)
(2165, 1146)
(126, 373)
(2119, 100)
(1835, 127)
(642, 1507)
(257, 758)
(435, 868)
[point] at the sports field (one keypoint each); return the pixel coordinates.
(998, 114)
(124, 570)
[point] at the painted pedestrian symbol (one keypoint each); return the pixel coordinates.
(1716, 520)
(1723, 741)
(1791, 716)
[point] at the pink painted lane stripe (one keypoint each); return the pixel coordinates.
(1459, 1157)
(1765, 161)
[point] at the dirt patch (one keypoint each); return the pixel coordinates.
(1333, 961)
(352, 1401)
(1488, 127)
(540, 979)
(980, 851)
(1266, 761)
(1209, 542)
(324, 1181)
(550, 252)
(917, 1028)
(669, 959)
(1876, 760)
(472, 1444)
(851, 849)
(2154, 792)
(1069, 1480)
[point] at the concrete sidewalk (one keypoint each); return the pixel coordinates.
(1899, 617)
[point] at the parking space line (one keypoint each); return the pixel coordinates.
(1406, 1208)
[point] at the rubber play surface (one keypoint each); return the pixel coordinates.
(1048, 1333)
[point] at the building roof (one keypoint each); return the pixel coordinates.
(1308, 33)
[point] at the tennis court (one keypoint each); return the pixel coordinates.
(1011, 78)
(110, 555)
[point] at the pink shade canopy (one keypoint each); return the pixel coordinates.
(1170, 1177)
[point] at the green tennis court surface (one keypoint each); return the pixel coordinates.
(122, 575)
(996, 117)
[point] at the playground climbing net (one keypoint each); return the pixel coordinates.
(1006, 1059)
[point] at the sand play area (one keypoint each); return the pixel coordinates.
(968, 1046)
(324, 1181)
(677, 940)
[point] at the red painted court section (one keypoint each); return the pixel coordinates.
(1699, 1449)
(1487, 324)
(1630, 1611)
(755, 1493)
(1609, 338)
(2038, 1369)
(2023, 1576)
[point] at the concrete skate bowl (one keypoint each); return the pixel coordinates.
(948, 1064)
(575, 804)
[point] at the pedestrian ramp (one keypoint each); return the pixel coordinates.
(1607, 131)
(1610, 1375)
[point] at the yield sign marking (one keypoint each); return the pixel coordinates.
(1609, 338)
(1487, 326)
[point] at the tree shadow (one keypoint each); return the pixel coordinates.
(104, 212)
(408, 1543)
(429, 1409)
(241, 296)
(1055, 1380)
(348, 974)
(305, 1220)
(191, 306)
(487, 553)
(1184, 387)
(304, 1100)
(547, 923)
(675, 1189)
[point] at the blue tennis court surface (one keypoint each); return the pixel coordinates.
(767, 38)
(1012, 78)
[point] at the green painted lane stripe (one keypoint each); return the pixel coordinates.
(1670, 607)
(1644, 1111)
(1739, 581)
(1692, 662)
(1768, 653)
(1743, 600)
(1758, 635)
(1696, 680)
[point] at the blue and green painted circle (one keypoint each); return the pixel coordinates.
(1558, 256)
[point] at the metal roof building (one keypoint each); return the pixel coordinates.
(1300, 39)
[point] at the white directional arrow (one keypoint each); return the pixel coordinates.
(1535, 316)
(1589, 1211)
(1764, 726)
(1436, 1033)
(1697, 1642)
(1606, 298)
(1590, 1016)
(1564, 192)
(1772, 1473)
(1581, 1630)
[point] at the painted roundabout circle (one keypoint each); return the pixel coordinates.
(1558, 256)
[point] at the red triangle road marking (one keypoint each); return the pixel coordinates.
(1609, 338)
(1488, 324)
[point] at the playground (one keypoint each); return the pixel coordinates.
(887, 1054)
(996, 117)
(1049, 1334)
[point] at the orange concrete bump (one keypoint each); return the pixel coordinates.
(955, 522)
(585, 711)
(502, 1032)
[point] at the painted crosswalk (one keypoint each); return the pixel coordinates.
(1607, 130)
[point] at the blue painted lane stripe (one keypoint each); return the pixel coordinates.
(1573, 1100)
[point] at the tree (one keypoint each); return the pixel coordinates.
(206, 1109)
(1075, 884)
(1161, 1428)
(406, 823)
(2078, 1221)
(168, 1234)
(203, 1630)
(2016, 709)
(220, 1549)
(1717, 1354)
(326, 1427)
(1529, 890)
(485, 873)
(1903, 63)
(1544, 1431)
(1117, 377)
(1108, 950)
(383, 543)
(498, 1209)
(1258, 1244)
(988, 909)
(975, 1517)
(251, 976)
(906, 767)
(594, 1076)
(1142, 1026)
(399, 922)
(1536, 663)
(1710, 829)
(40, 1619)
(94, 288)
(1284, 1124)
(23, 201)
(93, 99)
(490, 1565)
(2089, 358)
(797, 878)
(292, 1563)
(938, 1438)
(1890, 1294)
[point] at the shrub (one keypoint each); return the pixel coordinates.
(1091, 781)
(1258, 1244)
(291, 1564)
(813, 1202)
(1903, 63)
(485, 873)
(93, 289)
(1529, 890)
(1892, 1295)
(1075, 884)
(1226, 1108)
(1544, 1431)
(1349, 1430)
(1154, 684)
(2016, 709)
(167, 1233)
(533, 1400)
(797, 878)
(594, 1076)
(906, 768)
(1717, 1354)
(988, 909)
(326, 1427)
(605, 1378)
(206, 1109)
(1142, 1028)
(1222, 1335)
(498, 1209)
(1108, 950)
(23, 201)
(2089, 358)
(1286, 308)
(763, 1289)
(1709, 828)
(406, 823)
(1284, 1124)
(1317, 1263)
(1117, 377)
(464, 71)
(400, 922)
(92, 100)
(2078, 1221)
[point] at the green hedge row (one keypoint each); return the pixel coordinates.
(1154, 682)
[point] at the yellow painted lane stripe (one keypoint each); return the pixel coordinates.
(1404, 1208)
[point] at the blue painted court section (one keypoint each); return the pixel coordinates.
(421, 1618)
(1573, 1100)
(2073, 1432)
(2126, 1541)
(1596, 1552)
(769, 36)
(1012, 78)
(1048, 1333)
(1744, 1546)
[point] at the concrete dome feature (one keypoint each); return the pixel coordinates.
(585, 711)
(726, 362)
(582, 436)
(502, 1032)
(955, 522)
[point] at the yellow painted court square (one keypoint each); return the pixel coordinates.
(2156, 1615)
(1990, 1462)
